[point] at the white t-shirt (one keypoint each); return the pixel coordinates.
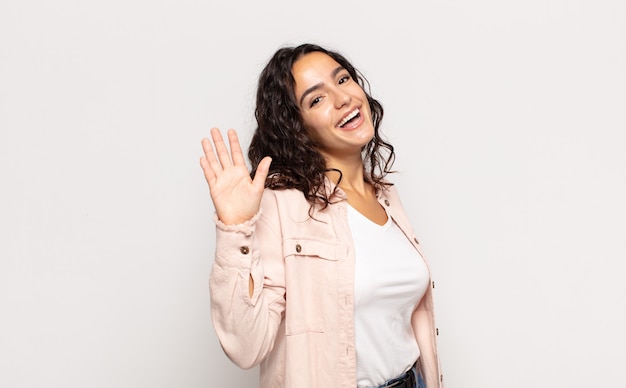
(390, 280)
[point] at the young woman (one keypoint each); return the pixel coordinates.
(318, 275)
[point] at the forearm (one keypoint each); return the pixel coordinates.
(246, 319)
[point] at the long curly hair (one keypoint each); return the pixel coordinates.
(281, 134)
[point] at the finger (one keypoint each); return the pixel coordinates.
(221, 149)
(235, 148)
(262, 170)
(209, 174)
(210, 157)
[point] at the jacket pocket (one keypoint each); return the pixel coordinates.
(311, 284)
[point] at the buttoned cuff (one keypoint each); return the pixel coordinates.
(234, 243)
(246, 228)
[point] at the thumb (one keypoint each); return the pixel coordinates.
(262, 170)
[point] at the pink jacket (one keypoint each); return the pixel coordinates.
(298, 324)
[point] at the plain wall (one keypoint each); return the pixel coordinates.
(508, 120)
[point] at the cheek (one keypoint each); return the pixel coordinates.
(317, 121)
(307, 121)
(310, 125)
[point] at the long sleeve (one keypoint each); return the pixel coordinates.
(247, 325)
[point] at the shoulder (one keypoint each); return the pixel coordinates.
(290, 215)
(390, 192)
(390, 197)
(283, 197)
(284, 204)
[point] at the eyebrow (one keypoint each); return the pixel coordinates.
(313, 88)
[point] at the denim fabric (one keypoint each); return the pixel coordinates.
(419, 382)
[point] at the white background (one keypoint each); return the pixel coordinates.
(508, 120)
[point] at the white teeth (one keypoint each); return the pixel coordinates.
(349, 117)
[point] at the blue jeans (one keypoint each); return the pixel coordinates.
(419, 381)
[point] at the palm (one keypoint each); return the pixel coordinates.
(235, 195)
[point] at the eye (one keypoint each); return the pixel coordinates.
(344, 79)
(315, 101)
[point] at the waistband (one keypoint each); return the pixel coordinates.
(406, 380)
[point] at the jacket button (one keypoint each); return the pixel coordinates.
(415, 239)
(387, 202)
(437, 330)
(433, 284)
(244, 250)
(298, 248)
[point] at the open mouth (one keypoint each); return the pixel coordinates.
(355, 114)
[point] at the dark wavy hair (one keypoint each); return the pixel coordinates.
(281, 134)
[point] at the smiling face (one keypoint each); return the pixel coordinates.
(334, 107)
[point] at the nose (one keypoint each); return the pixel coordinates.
(342, 98)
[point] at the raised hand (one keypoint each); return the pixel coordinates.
(235, 195)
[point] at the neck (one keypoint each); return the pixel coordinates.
(352, 175)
